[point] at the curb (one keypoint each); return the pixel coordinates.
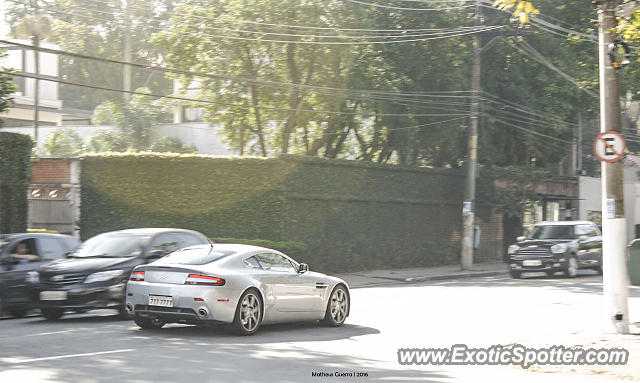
(400, 281)
(455, 276)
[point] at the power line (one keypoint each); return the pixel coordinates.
(328, 90)
(409, 9)
(246, 106)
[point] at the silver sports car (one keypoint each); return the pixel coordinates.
(242, 285)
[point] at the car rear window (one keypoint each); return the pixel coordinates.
(197, 256)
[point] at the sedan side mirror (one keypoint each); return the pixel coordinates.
(521, 238)
(303, 268)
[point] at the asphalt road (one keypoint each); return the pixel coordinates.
(479, 312)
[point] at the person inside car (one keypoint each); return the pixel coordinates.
(21, 253)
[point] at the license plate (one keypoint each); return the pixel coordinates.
(534, 262)
(53, 295)
(160, 300)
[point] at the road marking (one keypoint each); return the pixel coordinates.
(17, 361)
(57, 332)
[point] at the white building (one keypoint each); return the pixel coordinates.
(590, 206)
(21, 59)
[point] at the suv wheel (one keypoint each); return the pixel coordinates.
(515, 273)
(571, 268)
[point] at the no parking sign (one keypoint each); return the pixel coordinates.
(609, 146)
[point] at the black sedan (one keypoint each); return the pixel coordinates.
(20, 255)
(565, 246)
(95, 274)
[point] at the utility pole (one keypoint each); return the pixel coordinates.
(468, 207)
(614, 237)
(36, 63)
(126, 70)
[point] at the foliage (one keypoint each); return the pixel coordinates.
(173, 145)
(105, 140)
(15, 175)
(510, 189)
(350, 215)
(99, 28)
(7, 87)
(63, 142)
(134, 118)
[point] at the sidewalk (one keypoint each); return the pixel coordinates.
(413, 275)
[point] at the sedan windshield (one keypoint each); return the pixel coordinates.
(111, 245)
(552, 232)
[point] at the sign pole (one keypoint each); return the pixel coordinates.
(615, 274)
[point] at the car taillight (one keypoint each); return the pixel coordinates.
(137, 276)
(197, 279)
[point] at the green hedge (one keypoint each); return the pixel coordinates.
(350, 215)
(15, 176)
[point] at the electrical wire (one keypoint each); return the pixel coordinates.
(408, 9)
(246, 106)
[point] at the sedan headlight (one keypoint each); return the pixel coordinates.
(102, 276)
(32, 277)
(512, 249)
(559, 248)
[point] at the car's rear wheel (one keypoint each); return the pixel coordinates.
(571, 268)
(52, 314)
(248, 313)
(550, 273)
(337, 307)
(515, 274)
(148, 323)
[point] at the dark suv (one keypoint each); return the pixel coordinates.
(557, 246)
(95, 274)
(20, 255)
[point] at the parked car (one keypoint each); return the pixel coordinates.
(565, 246)
(241, 285)
(94, 275)
(20, 255)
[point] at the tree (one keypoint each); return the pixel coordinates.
(7, 87)
(63, 142)
(134, 118)
(101, 28)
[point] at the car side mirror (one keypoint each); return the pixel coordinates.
(583, 238)
(303, 268)
(521, 238)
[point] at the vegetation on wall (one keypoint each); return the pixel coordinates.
(15, 175)
(349, 215)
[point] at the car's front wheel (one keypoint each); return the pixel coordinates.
(515, 274)
(148, 323)
(248, 313)
(571, 268)
(337, 307)
(52, 314)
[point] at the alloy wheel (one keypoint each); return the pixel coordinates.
(250, 312)
(339, 305)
